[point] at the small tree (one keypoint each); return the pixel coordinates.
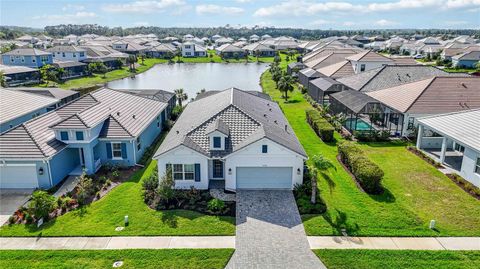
(257, 54)
(285, 85)
(320, 164)
(3, 81)
(44, 74)
(131, 60)
(84, 188)
(245, 55)
(181, 96)
(166, 191)
(41, 204)
(102, 69)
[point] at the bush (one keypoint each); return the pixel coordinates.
(216, 206)
(41, 204)
(306, 207)
(320, 125)
(372, 136)
(465, 185)
(367, 173)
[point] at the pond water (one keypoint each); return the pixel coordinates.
(194, 77)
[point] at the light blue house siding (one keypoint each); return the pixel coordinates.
(27, 60)
(148, 135)
(19, 120)
(63, 163)
(465, 63)
(104, 151)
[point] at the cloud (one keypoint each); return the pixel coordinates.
(80, 16)
(384, 22)
(143, 6)
(321, 22)
(71, 7)
(309, 7)
(349, 23)
(216, 9)
(243, 1)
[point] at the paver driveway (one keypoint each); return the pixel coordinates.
(11, 200)
(270, 232)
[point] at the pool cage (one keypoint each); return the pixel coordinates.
(365, 114)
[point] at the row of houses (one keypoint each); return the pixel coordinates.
(376, 93)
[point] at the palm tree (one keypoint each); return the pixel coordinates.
(320, 164)
(257, 54)
(181, 96)
(131, 60)
(285, 84)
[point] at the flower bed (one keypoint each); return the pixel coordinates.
(425, 157)
(465, 185)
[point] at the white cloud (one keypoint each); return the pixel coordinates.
(80, 16)
(216, 9)
(143, 6)
(384, 23)
(321, 22)
(71, 7)
(462, 3)
(141, 23)
(243, 1)
(348, 23)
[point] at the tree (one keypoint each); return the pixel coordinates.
(142, 58)
(245, 55)
(166, 190)
(131, 61)
(3, 81)
(257, 54)
(313, 177)
(181, 96)
(49, 73)
(236, 56)
(285, 84)
(320, 164)
(41, 204)
(477, 66)
(102, 69)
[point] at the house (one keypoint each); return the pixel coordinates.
(68, 53)
(19, 75)
(101, 127)
(158, 95)
(431, 96)
(338, 70)
(29, 57)
(105, 55)
(294, 68)
(190, 49)
(223, 41)
(230, 51)
(368, 60)
(265, 37)
(162, 51)
(128, 47)
(28, 39)
(235, 138)
(453, 140)
(457, 48)
(254, 38)
(467, 59)
(328, 49)
(63, 96)
(19, 107)
(260, 49)
(330, 58)
(72, 69)
(215, 37)
(321, 88)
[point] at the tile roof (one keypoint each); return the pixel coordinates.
(27, 51)
(257, 46)
(56, 93)
(229, 48)
(158, 95)
(462, 126)
(369, 56)
(8, 69)
(16, 103)
(66, 64)
(468, 56)
(329, 59)
(338, 70)
(249, 118)
(121, 110)
(324, 83)
(65, 49)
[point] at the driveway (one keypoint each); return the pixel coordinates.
(11, 200)
(270, 233)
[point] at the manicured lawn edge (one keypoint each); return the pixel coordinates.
(132, 258)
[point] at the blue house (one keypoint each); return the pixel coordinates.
(467, 59)
(103, 127)
(29, 57)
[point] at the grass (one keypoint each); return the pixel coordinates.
(415, 191)
(217, 59)
(102, 217)
(460, 70)
(405, 259)
(140, 258)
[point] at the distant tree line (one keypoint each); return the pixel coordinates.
(305, 34)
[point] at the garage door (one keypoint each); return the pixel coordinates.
(264, 177)
(18, 176)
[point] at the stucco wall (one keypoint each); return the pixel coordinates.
(19, 120)
(468, 166)
(63, 163)
(147, 137)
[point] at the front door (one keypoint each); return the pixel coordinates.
(217, 169)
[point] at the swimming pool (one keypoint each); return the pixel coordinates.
(361, 125)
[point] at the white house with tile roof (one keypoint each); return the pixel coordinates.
(235, 138)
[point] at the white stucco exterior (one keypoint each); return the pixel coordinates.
(357, 65)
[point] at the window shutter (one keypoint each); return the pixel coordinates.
(197, 172)
(124, 150)
(109, 150)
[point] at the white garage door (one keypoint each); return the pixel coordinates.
(264, 177)
(18, 176)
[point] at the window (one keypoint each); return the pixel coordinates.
(411, 123)
(362, 67)
(264, 148)
(12, 59)
(187, 46)
(188, 53)
(64, 136)
(117, 150)
(34, 60)
(459, 147)
(183, 172)
(63, 54)
(477, 166)
(139, 143)
(74, 55)
(23, 59)
(188, 170)
(45, 58)
(82, 54)
(217, 142)
(79, 135)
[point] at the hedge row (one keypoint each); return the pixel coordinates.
(320, 125)
(367, 173)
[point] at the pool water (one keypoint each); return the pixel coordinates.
(361, 124)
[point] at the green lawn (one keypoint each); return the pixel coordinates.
(405, 259)
(459, 70)
(102, 217)
(415, 191)
(139, 258)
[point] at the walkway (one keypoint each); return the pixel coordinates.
(412, 243)
(120, 242)
(270, 233)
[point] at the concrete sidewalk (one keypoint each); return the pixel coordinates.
(413, 243)
(124, 242)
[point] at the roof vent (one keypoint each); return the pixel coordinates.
(270, 109)
(464, 85)
(178, 132)
(286, 128)
(133, 116)
(118, 113)
(276, 122)
(265, 115)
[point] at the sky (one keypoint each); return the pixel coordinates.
(309, 14)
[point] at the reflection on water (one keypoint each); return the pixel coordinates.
(194, 77)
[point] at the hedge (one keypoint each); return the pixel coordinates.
(367, 173)
(320, 125)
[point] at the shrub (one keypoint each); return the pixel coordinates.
(41, 204)
(320, 125)
(216, 206)
(372, 136)
(306, 207)
(465, 185)
(367, 173)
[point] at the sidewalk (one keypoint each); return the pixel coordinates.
(130, 242)
(413, 243)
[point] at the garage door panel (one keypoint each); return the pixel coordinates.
(264, 177)
(18, 176)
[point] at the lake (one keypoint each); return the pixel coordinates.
(193, 77)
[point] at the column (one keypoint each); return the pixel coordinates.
(419, 136)
(444, 150)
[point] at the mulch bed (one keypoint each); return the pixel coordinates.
(425, 158)
(459, 181)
